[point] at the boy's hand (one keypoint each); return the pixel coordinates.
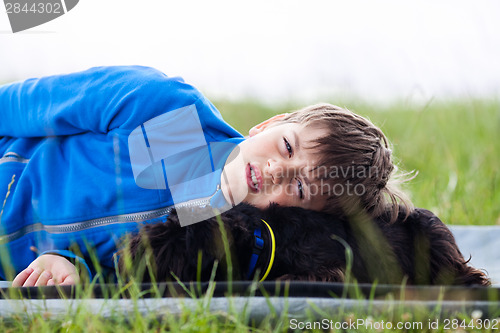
(47, 270)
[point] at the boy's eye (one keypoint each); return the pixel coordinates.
(299, 185)
(288, 147)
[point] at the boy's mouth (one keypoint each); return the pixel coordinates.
(254, 177)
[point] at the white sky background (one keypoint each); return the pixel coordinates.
(276, 51)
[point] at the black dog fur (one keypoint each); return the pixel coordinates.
(309, 246)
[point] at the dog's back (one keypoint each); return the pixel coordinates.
(427, 251)
(418, 249)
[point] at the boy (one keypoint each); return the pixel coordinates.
(87, 157)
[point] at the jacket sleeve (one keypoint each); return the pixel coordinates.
(97, 100)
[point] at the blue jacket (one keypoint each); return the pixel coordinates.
(79, 152)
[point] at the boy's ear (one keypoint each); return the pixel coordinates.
(263, 125)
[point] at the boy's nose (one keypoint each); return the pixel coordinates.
(278, 171)
(271, 171)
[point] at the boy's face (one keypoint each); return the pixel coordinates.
(274, 166)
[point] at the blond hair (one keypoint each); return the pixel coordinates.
(354, 153)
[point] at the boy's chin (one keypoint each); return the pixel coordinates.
(256, 202)
(235, 195)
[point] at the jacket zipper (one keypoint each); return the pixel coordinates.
(13, 157)
(89, 224)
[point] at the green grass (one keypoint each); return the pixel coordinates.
(454, 146)
(197, 317)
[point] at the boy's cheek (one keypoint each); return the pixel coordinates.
(233, 179)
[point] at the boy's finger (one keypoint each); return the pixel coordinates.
(30, 282)
(69, 280)
(51, 282)
(21, 277)
(43, 279)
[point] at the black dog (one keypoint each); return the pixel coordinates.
(308, 246)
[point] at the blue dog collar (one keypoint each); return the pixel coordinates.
(258, 245)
